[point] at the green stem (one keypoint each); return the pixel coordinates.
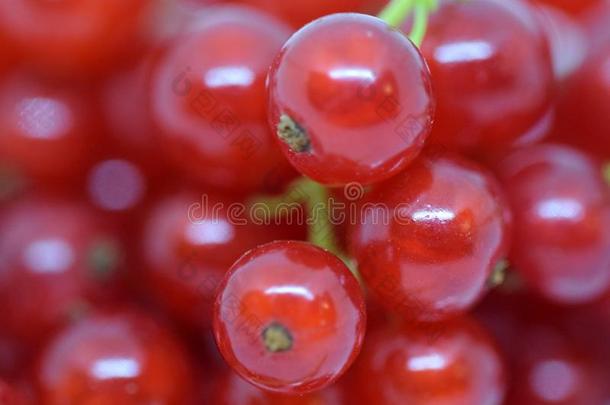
(606, 170)
(315, 197)
(396, 12)
(420, 24)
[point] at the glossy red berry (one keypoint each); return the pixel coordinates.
(208, 99)
(427, 240)
(189, 242)
(56, 261)
(350, 100)
(119, 358)
(561, 209)
(492, 76)
(454, 363)
(48, 132)
(233, 390)
(76, 37)
(289, 317)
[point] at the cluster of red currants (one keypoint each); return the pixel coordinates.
(214, 201)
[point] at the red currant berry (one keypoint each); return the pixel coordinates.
(455, 363)
(56, 259)
(75, 37)
(562, 221)
(232, 390)
(289, 317)
(427, 240)
(492, 75)
(47, 132)
(350, 99)
(123, 358)
(208, 99)
(188, 244)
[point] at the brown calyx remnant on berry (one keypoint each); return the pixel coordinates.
(277, 338)
(291, 133)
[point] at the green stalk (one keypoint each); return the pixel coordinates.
(396, 12)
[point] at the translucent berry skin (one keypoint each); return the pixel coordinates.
(427, 240)
(122, 358)
(561, 209)
(289, 317)
(76, 37)
(583, 107)
(360, 93)
(208, 100)
(47, 132)
(492, 75)
(454, 363)
(56, 260)
(233, 390)
(187, 248)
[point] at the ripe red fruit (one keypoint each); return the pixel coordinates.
(492, 76)
(289, 317)
(75, 37)
(453, 363)
(48, 132)
(188, 246)
(561, 207)
(119, 358)
(208, 99)
(350, 100)
(233, 390)
(56, 259)
(427, 240)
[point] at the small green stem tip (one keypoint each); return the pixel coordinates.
(397, 12)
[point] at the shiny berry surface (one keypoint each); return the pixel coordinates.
(427, 240)
(492, 75)
(119, 358)
(455, 363)
(561, 212)
(342, 84)
(208, 99)
(69, 37)
(56, 260)
(289, 317)
(232, 390)
(47, 132)
(188, 246)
